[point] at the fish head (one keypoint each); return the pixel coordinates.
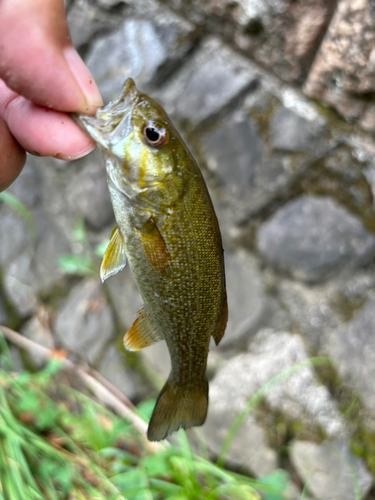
(139, 143)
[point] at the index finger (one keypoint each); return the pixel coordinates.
(37, 59)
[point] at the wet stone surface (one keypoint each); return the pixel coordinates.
(293, 133)
(352, 348)
(37, 329)
(330, 471)
(311, 309)
(124, 296)
(11, 223)
(313, 238)
(84, 323)
(246, 298)
(28, 187)
(300, 397)
(19, 281)
(280, 35)
(235, 142)
(343, 71)
(213, 78)
(87, 192)
(249, 449)
(140, 48)
(113, 368)
(3, 313)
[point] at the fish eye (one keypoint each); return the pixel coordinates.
(154, 135)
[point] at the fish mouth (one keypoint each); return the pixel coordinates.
(112, 123)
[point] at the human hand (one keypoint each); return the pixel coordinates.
(42, 79)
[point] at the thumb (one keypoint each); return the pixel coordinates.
(37, 59)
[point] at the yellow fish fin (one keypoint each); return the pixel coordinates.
(178, 406)
(142, 333)
(114, 259)
(154, 246)
(218, 335)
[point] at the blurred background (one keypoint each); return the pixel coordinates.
(275, 98)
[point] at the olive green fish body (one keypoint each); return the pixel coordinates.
(168, 231)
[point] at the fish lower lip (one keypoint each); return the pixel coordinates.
(90, 124)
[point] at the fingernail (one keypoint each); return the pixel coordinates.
(84, 78)
(80, 154)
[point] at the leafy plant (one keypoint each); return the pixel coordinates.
(57, 443)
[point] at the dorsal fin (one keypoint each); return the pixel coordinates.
(114, 259)
(218, 335)
(154, 246)
(142, 333)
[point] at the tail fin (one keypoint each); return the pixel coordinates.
(178, 406)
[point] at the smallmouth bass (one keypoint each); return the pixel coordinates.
(168, 232)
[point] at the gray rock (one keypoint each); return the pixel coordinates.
(126, 301)
(281, 35)
(352, 348)
(343, 72)
(249, 449)
(107, 4)
(113, 368)
(370, 176)
(19, 285)
(84, 323)
(291, 132)
(330, 470)
(233, 151)
(16, 237)
(247, 174)
(52, 242)
(16, 359)
(125, 297)
(140, 48)
(3, 312)
(87, 192)
(246, 300)
(156, 359)
(300, 397)
(311, 308)
(37, 329)
(85, 19)
(360, 285)
(28, 185)
(312, 238)
(212, 79)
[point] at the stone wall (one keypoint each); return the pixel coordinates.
(274, 97)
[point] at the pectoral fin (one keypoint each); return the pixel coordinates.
(142, 333)
(154, 246)
(114, 258)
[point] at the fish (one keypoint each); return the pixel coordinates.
(168, 232)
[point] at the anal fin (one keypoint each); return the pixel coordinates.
(114, 259)
(142, 333)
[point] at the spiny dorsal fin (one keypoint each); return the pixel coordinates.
(142, 333)
(114, 259)
(154, 246)
(218, 335)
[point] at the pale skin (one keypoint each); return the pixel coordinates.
(42, 79)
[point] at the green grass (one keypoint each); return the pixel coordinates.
(57, 443)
